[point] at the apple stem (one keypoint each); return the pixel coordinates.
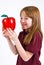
(4, 15)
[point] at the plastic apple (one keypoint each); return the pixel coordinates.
(9, 22)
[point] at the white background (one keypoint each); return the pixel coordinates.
(12, 8)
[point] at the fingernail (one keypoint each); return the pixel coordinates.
(7, 28)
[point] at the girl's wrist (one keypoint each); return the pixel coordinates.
(16, 41)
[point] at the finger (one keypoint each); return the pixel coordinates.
(5, 35)
(3, 31)
(11, 30)
(11, 34)
(2, 28)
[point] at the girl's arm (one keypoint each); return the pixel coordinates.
(25, 55)
(12, 46)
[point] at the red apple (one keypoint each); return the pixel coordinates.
(9, 22)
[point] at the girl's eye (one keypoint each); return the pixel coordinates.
(26, 18)
(21, 18)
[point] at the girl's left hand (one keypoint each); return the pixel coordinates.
(12, 35)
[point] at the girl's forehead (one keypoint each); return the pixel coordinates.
(23, 13)
(26, 14)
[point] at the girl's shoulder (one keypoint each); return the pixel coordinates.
(21, 32)
(37, 34)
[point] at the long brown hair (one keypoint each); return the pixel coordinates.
(33, 12)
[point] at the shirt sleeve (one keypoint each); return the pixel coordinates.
(35, 44)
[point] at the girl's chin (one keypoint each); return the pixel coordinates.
(24, 28)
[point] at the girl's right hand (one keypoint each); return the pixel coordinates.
(5, 33)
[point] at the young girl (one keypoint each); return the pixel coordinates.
(29, 42)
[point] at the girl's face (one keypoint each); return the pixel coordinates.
(26, 22)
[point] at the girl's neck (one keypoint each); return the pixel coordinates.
(27, 30)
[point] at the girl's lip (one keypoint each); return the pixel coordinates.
(24, 24)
